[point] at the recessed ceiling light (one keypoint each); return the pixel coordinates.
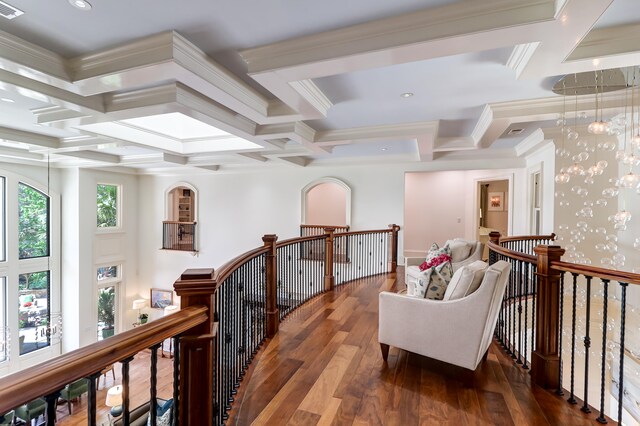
(384, 149)
(406, 95)
(80, 4)
(7, 100)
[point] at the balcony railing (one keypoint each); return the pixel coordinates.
(179, 235)
(226, 315)
(569, 320)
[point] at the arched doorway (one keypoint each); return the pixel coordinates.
(179, 226)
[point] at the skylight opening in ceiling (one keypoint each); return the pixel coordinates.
(176, 125)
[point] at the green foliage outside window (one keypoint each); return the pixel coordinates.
(107, 206)
(33, 222)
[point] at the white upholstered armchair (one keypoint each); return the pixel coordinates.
(457, 331)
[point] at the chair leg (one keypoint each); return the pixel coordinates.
(384, 348)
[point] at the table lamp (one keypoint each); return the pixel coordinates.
(139, 304)
(114, 400)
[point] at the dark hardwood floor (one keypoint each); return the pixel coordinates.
(324, 367)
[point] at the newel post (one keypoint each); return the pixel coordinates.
(494, 237)
(329, 279)
(394, 247)
(545, 361)
(271, 263)
(196, 287)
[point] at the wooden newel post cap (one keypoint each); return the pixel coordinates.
(195, 281)
(494, 236)
(269, 239)
(552, 252)
(329, 229)
(394, 227)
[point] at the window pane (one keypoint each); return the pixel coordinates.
(3, 241)
(4, 335)
(106, 312)
(107, 206)
(107, 272)
(33, 311)
(33, 223)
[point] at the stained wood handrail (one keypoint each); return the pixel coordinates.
(178, 222)
(596, 272)
(325, 226)
(227, 269)
(551, 237)
(51, 376)
(374, 231)
(296, 240)
(512, 253)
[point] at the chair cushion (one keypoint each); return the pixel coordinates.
(460, 249)
(466, 280)
(432, 283)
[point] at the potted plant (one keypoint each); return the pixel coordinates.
(106, 302)
(143, 318)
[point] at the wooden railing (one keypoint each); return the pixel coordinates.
(179, 235)
(537, 291)
(226, 316)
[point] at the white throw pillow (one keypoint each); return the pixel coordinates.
(466, 280)
(459, 250)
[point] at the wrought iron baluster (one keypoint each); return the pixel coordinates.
(51, 400)
(587, 345)
(572, 399)
(605, 302)
(559, 391)
(526, 313)
(623, 315)
(125, 391)
(153, 385)
(175, 411)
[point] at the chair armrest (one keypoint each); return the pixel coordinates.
(413, 261)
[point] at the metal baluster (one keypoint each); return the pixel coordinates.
(605, 303)
(526, 312)
(587, 345)
(125, 390)
(572, 399)
(153, 386)
(623, 315)
(175, 411)
(512, 342)
(50, 414)
(534, 269)
(559, 391)
(519, 286)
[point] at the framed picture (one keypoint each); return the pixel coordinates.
(161, 298)
(496, 202)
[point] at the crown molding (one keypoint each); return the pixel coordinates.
(520, 56)
(312, 93)
(529, 143)
(389, 131)
(482, 125)
(610, 41)
(411, 28)
(97, 156)
(18, 53)
(30, 138)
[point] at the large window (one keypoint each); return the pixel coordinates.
(33, 223)
(4, 335)
(107, 206)
(108, 278)
(33, 311)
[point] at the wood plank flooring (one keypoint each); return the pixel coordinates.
(324, 368)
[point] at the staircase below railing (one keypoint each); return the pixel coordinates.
(226, 315)
(537, 309)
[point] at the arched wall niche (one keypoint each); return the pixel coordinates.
(326, 201)
(181, 203)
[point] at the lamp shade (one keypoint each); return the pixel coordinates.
(139, 303)
(114, 396)
(171, 309)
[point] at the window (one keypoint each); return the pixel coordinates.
(33, 223)
(33, 311)
(108, 278)
(536, 212)
(107, 206)
(4, 335)
(3, 241)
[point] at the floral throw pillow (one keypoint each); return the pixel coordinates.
(432, 283)
(436, 251)
(435, 261)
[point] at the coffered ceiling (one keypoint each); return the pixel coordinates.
(159, 86)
